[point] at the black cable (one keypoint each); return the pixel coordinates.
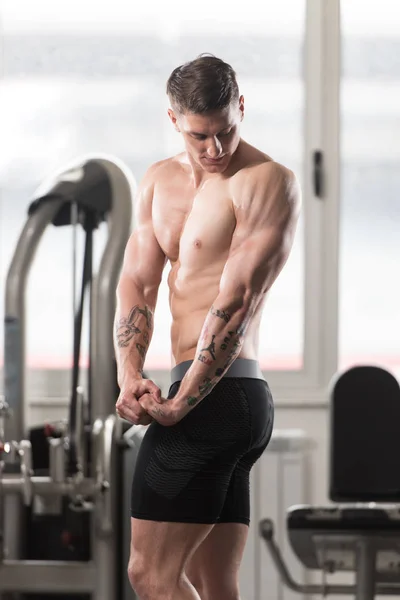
(86, 283)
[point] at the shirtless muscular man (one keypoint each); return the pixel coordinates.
(223, 215)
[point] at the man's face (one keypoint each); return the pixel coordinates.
(211, 138)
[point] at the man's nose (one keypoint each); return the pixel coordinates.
(214, 148)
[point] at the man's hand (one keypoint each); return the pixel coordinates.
(127, 405)
(163, 410)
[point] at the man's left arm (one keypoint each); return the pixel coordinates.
(267, 215)
(260, 247)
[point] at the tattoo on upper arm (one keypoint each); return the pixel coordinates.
(222, 314)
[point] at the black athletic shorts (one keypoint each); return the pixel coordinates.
(197, 471)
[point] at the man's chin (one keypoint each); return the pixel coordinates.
(215, 166)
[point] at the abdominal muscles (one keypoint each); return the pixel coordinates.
(197, 244)
(191, 295)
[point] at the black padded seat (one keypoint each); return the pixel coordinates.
(362, 533)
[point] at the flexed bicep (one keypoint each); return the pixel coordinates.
(264, 233)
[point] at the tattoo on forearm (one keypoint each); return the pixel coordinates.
(222, 314)
(157, 412)
(210, 348)
(142, 350)
(126, 328)
(242, 327)
(205, 386)
(231, 357)
(192, 400)
(235, 350)
(205, 360)
(149, 316)
(226, 341)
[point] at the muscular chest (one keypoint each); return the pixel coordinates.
(194, 230)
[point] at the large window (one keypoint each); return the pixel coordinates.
(93, 80)
(370, 201)
(85, 78)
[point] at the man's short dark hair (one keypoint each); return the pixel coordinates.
(204, 84)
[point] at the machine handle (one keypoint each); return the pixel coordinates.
(266, 529)
(104, 439)
(5, 413)
(25, 452)
(318, 173)
(267, 533)
(109, 446)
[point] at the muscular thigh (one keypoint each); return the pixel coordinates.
(216, 561)
(166, 546)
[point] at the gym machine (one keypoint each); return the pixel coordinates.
(361, 533)
(64, 507)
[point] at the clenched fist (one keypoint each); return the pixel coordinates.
(128, 406)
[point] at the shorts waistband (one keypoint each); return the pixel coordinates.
(242, 367)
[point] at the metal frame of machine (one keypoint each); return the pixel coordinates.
(362, 533)
(93, 486)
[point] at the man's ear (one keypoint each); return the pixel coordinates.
(241, 107)
(174, 119)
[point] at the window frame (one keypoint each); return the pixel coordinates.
(321, 215)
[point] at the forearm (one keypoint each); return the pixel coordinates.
(133, 328)
(219, 345)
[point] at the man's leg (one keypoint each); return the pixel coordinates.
(158, 559)
(214, 567)
(189, 477)
(181, 478)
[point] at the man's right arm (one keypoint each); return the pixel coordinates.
(138, 286)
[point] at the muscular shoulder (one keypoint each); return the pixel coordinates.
(156, 180)
(264, 190)
(163, 169)
(153, 173)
